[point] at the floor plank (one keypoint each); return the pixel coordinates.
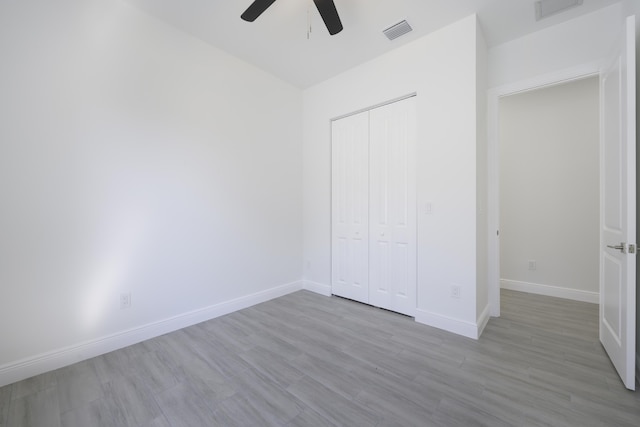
(6, 393)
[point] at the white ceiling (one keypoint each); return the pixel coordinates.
(277, 41)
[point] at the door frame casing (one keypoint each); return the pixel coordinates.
(493, 157)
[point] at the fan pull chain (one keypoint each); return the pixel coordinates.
(309, 20)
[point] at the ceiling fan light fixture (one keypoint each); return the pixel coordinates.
(546, 8)
(397, 30)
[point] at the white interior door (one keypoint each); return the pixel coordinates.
(350, 207)
(392, 213)
(618, 211)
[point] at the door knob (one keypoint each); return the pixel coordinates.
(620, 247)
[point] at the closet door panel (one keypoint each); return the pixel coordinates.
(350, 207)
(392, 141)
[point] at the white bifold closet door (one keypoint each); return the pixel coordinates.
(374, 208)
(350, 204)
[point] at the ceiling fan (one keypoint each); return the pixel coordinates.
(326, 8)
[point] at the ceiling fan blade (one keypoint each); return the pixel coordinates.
(329, 15)
(256, 9)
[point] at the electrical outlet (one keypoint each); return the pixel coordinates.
(455, 291)
(532, 264)
(125, 300)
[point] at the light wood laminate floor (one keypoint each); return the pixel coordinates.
(308, 360)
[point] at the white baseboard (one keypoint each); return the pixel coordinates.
(483, 319)
(318, 288)
(551, 291)
(638, 367)
(28, 367)
(449, 324)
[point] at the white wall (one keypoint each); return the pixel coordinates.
(441, 68)
(134, 158)
(580, 41)
(549, 190)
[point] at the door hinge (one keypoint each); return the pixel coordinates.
(632, 248)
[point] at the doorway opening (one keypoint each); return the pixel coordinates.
(495, 96)
(549, 150)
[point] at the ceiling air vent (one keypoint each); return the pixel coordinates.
(397, 30)
(546, 8)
